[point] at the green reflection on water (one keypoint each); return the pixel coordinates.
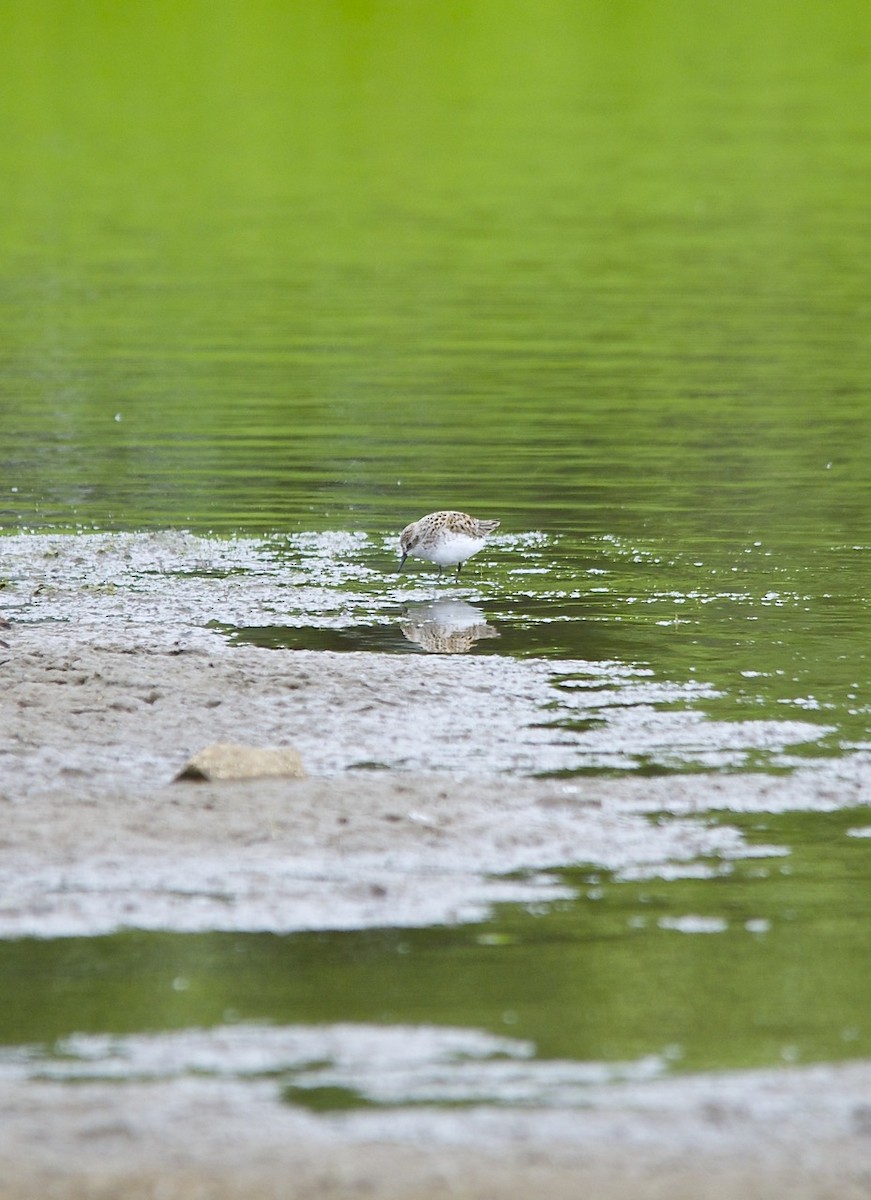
(589, 266)
(782, 974)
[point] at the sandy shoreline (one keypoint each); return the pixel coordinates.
(798, 1133)
(96, 835)
(94, 737)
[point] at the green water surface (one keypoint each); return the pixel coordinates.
(590, 266)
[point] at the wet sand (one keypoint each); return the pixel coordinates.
(765, 1136)
(97, 834)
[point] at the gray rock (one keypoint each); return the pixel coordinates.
(226, 760)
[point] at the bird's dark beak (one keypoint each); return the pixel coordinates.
(402, 562)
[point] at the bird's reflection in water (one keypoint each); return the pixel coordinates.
(445, 626)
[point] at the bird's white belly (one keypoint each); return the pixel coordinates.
(450, 551)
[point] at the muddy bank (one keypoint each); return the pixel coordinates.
(805, 1134)
(96, 835)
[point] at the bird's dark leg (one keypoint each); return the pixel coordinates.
(459, 564)
(440, 572)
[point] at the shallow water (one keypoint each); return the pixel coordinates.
(598, 271)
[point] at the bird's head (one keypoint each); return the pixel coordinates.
(408, 539)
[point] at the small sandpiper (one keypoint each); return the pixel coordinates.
(446, 538)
